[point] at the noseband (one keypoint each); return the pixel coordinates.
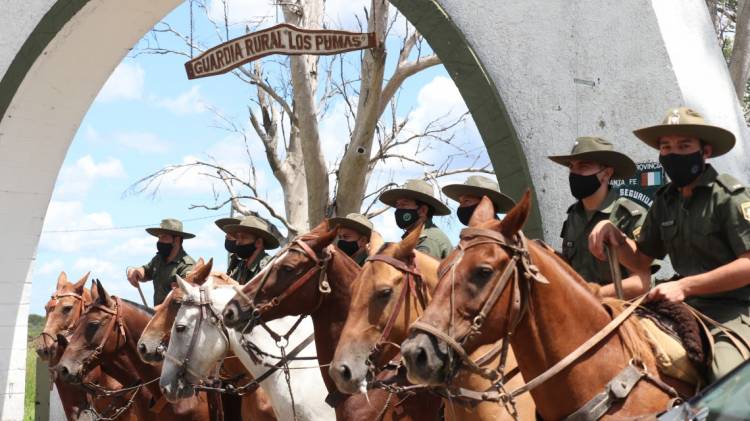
(520, 265)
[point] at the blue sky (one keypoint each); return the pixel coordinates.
(148, 115)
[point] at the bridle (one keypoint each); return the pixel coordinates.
(520, 265)
(412, 285)
(65, 332)
(115, 324)
(206, 312)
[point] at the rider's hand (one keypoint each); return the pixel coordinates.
(136, 275)
(605, 232)
(670, 291)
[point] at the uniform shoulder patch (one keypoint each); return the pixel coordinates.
(745, 208)
(633, 208)
(730, 184)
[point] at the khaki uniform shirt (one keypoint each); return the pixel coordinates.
(163, 273)
(360, 257)
(433, 241)
(624, 213)
(242, 273)
(700, 233)
(234, 261)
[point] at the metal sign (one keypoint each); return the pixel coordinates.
(642, 187)
(280, 39)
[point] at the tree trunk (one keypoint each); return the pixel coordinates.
(352, 172)
(304, 75)
(739, 62)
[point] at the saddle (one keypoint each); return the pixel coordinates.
(681, 347)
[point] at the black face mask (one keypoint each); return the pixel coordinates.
(406, 217)
(348, 247)
(230, 245)
(464, 213)
(164, 249)
(244, 251)
(583, 186)
(683, 169)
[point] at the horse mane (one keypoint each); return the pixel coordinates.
(148, 310)
(632, 335)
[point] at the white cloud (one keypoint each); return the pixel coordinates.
(125, 83)
(188, 102)
(144, 142)
(76, 180)
(65, 216)
(50, 268)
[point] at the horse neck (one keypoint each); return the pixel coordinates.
(329, 319)
(562, 315)
(428, 268)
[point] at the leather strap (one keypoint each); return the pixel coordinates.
(615, 391)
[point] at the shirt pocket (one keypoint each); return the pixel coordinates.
(706, 236)
(668, 233)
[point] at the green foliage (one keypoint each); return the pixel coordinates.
(36, 324)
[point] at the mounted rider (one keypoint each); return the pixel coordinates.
(170, 259)
(353, 235)
(593, 162)
(253, 237)
(230, 243)
(413, 201)
(701, 219)
(470, 192)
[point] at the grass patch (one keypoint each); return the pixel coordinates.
(36, 324)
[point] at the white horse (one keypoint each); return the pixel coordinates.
(213, 342)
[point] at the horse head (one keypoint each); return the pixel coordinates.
(63, 311)
(470, 275)
(387, 296)
(155, 337)
(99, 332)
(197, 340)
(291, 285)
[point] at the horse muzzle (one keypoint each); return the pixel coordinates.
(425, 361)
(176, 389)
(150, 352)
(235, 315)
(70, 372)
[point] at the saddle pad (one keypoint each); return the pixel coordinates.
(671, 356)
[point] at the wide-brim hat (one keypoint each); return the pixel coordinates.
(481, 186)
(223, 222)
(256, 226)
(170, 226)
(355, 221)
(416, 189)
(687, 122)
(596, 149)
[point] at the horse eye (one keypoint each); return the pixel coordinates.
(91, 328)
(287, 268)
(180, 328)
(67, 309)
(484, 272)
(384, 293)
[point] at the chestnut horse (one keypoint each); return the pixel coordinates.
(498, 285)
(63, 312)
(389, 294)
(106, 336)
(154, 340)
(312, 256)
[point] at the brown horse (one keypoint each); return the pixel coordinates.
(389, 295)
(497, 285)
(106, 336)
(63, 312)
(313, 257)
(155, 339)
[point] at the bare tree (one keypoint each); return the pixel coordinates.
(292, 94)
(731, 20)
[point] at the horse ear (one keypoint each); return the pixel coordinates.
(78, 286)
(376, 243)
(199, 274)
(323, 237)
(62, 280)
(484, 212)
(516, 218)
(209, 283)
(183, 284)
(100, 295)
(406, 246)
